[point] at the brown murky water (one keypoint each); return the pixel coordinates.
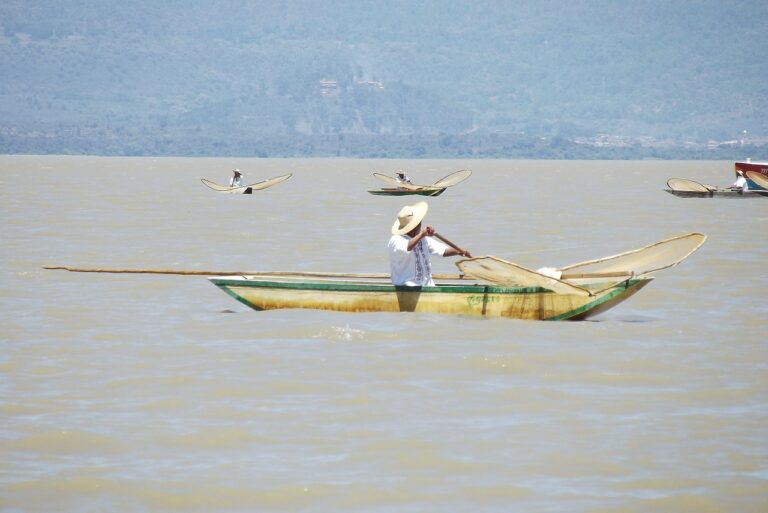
(161, 393)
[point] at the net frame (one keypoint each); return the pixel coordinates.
(258, 186)
(454, 178)
(686, 185)
(447, 181)
(502, 272)
(653, 257)
(264, 184)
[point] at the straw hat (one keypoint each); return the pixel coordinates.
(409, 218)
(237, 172)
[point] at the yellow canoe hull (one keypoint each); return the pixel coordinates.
(450, 297)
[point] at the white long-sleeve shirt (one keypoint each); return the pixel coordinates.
(413, 267)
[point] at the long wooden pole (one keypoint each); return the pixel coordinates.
(451, 244)
(185, 272)
(142, 271)
(309, 274)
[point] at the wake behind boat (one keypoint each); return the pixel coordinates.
(246, 189)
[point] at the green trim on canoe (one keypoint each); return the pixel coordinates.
(236, 296)
(485, 290)
(374, 287)
(407, 192)
(620, 289)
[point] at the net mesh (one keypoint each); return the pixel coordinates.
(255, 186)
(502, 272)
(660, 255)
(214, 185)
(448, 181)
(453, 178)
(683, 184)
(269, 183)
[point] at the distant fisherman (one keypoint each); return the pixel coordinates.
(741, 182)
(237, 179)
(410, 247)
(401, 177)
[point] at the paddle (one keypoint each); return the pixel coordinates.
(451, 244)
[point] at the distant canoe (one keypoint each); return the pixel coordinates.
(719, 193)
(405, 188)
(684, 188)
(397, 191)
(375, 293)
(246, 189)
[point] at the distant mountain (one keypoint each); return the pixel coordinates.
(374, 78)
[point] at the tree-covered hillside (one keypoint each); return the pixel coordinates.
(373, 78)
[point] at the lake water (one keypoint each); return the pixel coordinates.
(125, 392)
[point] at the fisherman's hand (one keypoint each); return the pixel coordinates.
(428, 230)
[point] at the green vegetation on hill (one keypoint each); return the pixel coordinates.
(547, 79)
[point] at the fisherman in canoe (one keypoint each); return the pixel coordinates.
(401, 177)
(237, 178)
(741, 182)
(410, 247)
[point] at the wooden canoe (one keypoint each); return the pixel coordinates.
(457, 296)
(685, 188)
(243, 189)
(246, 189)
(719, 193)
(405, 189)
(397, 191)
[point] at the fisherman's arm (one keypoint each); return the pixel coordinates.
(426, 231)
(454, 252)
